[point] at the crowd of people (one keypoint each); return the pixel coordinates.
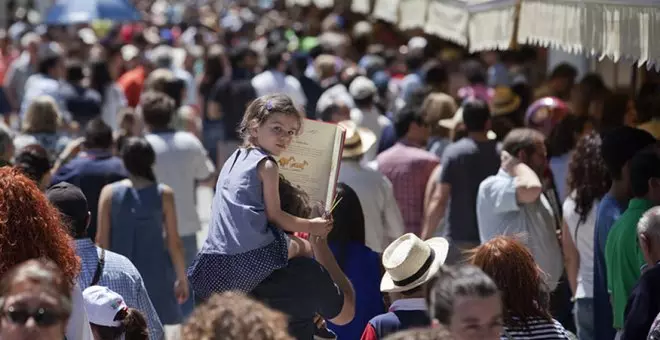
(472, 203)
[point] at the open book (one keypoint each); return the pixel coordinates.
(312, 160)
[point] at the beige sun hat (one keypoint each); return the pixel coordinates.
(357, 140)
(410, 262)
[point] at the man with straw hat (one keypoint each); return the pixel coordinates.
(410, 264)
(382, 217)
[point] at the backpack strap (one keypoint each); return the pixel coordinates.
(99, 269)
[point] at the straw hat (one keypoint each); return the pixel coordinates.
(357, 140)
(410, 262)
(504, 101)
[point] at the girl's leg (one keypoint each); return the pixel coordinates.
(299, 247)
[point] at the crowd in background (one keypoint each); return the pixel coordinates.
(475, 201)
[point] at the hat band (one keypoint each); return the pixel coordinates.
(419, 273)
(356, 144)
(509, 101)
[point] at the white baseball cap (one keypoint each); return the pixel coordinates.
(102, 305)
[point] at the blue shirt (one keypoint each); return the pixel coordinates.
(121, 276)
(608, 212)
(362, 267)
(91, 171)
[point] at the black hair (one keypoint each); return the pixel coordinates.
(564, 135)
(615, 106)
(522, 139)
(100, 77)
(564, 70)
(452, 283)
(414, 60)
(275, 55)
(133, 326)
(435, 74)
(348, 221)
(476, 115)
(620, 145)
(157, 109)
(33, 161)
(174, 89)
(364, 102)
(47, 64)
(98, 135)
(474, 72)
(405, 117)
(214, 69)
(643, 167)
(326, 114)
(139, 158)
(74, 71)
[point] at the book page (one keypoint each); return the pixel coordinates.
(308, 162)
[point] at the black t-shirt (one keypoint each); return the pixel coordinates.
(643, 305)
(233, 96)
(84, 104)
(301, 290)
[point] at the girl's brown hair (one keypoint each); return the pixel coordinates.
(511, 265)
(262, 108)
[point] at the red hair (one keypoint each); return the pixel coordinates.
(511, 265)
(30, 227)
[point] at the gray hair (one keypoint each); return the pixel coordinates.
(6, 138)
(649, 224)
(162, 56)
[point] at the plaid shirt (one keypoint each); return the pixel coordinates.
(121, 276)
(408, 168)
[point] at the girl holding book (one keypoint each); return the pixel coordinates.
(247, 239)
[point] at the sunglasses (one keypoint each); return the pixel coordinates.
(42, 317)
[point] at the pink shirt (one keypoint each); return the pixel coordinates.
(408, 168)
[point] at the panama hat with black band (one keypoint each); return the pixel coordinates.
(410, 262)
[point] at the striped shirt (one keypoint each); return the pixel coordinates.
(537, 329)
(121, 276)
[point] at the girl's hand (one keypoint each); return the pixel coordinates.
(320, 226)
(181, 290)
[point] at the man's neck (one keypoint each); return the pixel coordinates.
(412, 142)
(619, 192)
(478, 136)
(155, 129)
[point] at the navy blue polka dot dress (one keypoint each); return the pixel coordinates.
(242, 249)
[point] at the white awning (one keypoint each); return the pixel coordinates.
(481, 24)
(613, 28)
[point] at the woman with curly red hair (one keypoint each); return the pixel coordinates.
(30, 228)
(524, 295)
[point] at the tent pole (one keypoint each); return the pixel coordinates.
(513, 44)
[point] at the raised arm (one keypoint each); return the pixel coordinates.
(527, 183)
(270, 177)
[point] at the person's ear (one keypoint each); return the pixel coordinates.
(645, 244)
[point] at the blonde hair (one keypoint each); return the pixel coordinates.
(41, 115)
(234, 316)
(325, 65)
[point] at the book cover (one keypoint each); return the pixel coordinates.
(312, 160)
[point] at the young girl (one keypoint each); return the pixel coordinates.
(246, 241)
